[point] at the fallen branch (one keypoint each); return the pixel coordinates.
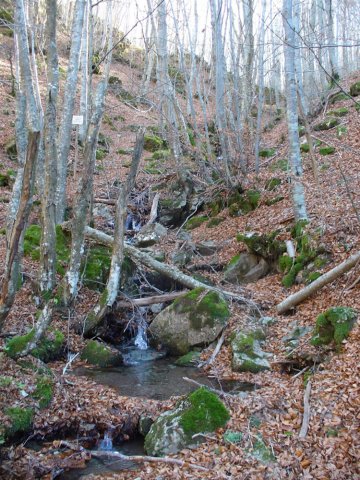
(172, 272)
(146, 458)
(105, 201)
(143, 302)
(214, 390)
(210, 360)
(306, 416)
(154, 210)
(328, 277)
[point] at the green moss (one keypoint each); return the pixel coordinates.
(261, 452)
(96, 267)
(122, 151)
(50, 347)
(161, 154)
(273, 201)
(305, 147)
(190, 359)
(312, 276)
(17, 344)
(206, 413)
(214, 222)
(101, 355)
(339, 112)
(204, 308)
(272, 183)
(334, 325)
(6, 15)
(265, 245)
(100, 154)
(327, 124)
(339, 97)
(5, 381)
(326, 150)
(152, 143)
(267, 152)
(355, 89)
(5, 180)
(195, 222)
(44, 391)
(341, 131)
(281, 164)
(21, 420)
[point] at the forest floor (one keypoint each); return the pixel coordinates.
(331, 449)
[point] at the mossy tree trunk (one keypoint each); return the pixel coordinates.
(112, 286)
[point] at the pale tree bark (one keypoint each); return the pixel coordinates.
(330, 38)
(220, 69)
(22, 199)
(260, 84)
(68, 107)
(109, 295)
(83, 198)
(248, 88)
(298, 194)
(85, 74)
(48, 237)
(320, 282)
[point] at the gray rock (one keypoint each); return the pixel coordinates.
(206, 248)
(196, 318)
(247, 355)
(181, 257)
(150, 235)
(246, 268)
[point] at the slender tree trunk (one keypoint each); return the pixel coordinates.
(298, 194)
(48, 240)
(68, 107)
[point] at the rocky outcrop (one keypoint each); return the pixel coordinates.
(200, 412)
(194, 319)
(150, 235)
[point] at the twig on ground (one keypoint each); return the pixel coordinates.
(306, 416)
(217, 349)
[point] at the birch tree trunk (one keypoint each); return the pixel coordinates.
(68, 107)
(22, 197)
(48, 238)
(298, 194)
(108, 297)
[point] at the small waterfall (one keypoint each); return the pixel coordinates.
(106, 442)
(141, 340)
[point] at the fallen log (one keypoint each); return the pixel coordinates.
(172, 272)
(306, 417)
(328, 277)
(143, 302)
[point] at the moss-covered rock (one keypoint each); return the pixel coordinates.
(328, 150)
(341, 131)
(355, 89)
(307, 252)
(43, 391)
(282, 164)
(195, 222)
(247, 355)
(161, 154)
(245, 203)
(267, 152)
(305, 148)
(339, 112)
(49, 348)
(327, 124)
(11, 150)
(21, 421)
(339, 98)
(189, 360)
(334, 325)
(5, 180)
(194, 319)
(100, 354)
(152, 143)
(265, 245)
(214, 222)
(200, 412)
(272, 183)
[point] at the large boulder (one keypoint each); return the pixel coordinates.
(247, 355)
(199, 412)
(246, 268)
(194, 319)
(150, 235)
(101, 355)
